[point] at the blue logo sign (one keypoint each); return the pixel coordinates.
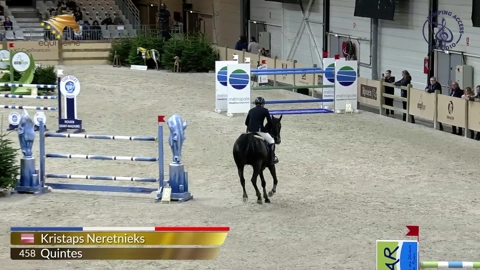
(239, 79)
(346, 76)
(14, 118)
(222, 76)
(70, 87)
(330, 73)
(446, 24)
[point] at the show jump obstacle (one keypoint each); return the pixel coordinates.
(68, 86)
(233, 86)
(405, 255)
(177, 183)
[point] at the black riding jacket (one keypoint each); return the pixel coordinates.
(255, 119)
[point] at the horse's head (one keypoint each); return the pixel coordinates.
(276, 128)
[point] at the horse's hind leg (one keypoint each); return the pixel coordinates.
(264, 184)
(257, 169)
(242, 182)
(273, 171)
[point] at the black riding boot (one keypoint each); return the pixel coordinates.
(273, 158)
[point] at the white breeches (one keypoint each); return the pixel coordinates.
(267, 137)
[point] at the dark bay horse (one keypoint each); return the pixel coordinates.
(251, 149)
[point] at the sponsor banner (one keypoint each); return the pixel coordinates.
(474, 115)
(221, 90)
(422, 104)
(42, 50)
(238, 83)
(329, 79)
(398, 255)
(451, 110)
(345, 84)
(449, 30)
(369, 92)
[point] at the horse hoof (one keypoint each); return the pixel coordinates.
(271, 193)
(259, 202)
(267, 200)
(245, 200)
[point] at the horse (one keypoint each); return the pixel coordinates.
(251, 149)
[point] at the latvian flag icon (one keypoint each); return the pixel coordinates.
(27, 238)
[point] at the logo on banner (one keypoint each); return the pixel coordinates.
(14, 118)
(346, 76)
(330, 73)
(70, 86)
(368, 91)
(239, 79)
(420, 104)
(450, 111)
(20, 61)
(222, 76)
(447, 23)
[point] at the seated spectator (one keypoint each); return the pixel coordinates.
(405, 81)
(61, 4)
(107, 20)
(390, 91)
(117, 20)
(2, 31)
(86, 35)
(433, 86)
(96, 31)
(78, 14)
(263, 52)
(72, 5)
(241, 44)
(7, 24)
(2, 10)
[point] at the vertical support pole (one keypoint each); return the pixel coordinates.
(435, 113)
(467, 103)
(41, 139)
(408, 104)
(161, 167)
(59, 97)
(382, 99)
(275, 66)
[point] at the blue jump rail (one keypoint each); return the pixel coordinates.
(290, 101)
(300, 111)
(261, 72)
(288, 69)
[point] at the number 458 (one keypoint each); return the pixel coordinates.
(27, 253)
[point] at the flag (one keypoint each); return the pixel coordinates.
(27, 238)
(10, 45)
(413, 230)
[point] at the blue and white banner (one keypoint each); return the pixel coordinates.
(221, 91)
(329, 79)
(345, 84)
(397, 255)
(238, 77)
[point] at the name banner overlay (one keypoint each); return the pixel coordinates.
(119, 238)
(114, 253)
(397, 254)
(137, 236)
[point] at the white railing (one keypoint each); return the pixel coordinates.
(130, 11)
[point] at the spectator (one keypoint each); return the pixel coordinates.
(468, 94)
(117, 20)
(254, 47)
(107, 20)
(2, 31)
(455, 91)
(2, 10)
(61, 6)
(263, 52)
(78, 14)
(241, 44)
(72, 5)
(86, 34)
(7, 24)
(389, 90)
(433, 86)
(405, 81)
(96, 30)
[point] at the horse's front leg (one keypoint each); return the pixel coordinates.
(264, 184)
(273, 171)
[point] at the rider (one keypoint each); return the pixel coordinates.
(254, 122)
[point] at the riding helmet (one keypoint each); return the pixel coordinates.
(259, 101)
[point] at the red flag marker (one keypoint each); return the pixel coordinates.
(414, 230)
(10, 45)
(337, 56)
(161, 119)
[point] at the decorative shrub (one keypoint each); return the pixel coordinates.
(9, 169)
(45, 75)
(195, 52)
